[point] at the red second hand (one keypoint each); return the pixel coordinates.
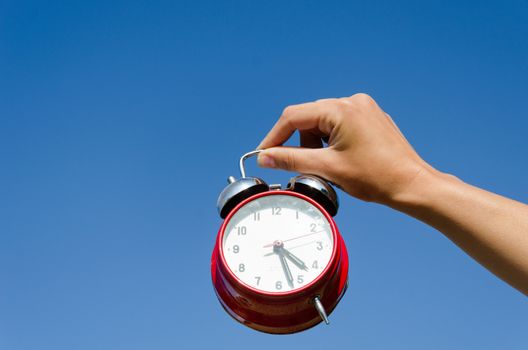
(291, 239)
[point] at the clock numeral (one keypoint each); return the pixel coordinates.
(300, 279)
(312, 228)
(278, 285)
(258, 279)
(319, 245)
(315, 265)
(241, 230)
(276, 211)
(297, 214)
(256, 216)
(236, 249)
(241, 268)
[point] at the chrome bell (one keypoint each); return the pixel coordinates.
(240, 189)
(316, 188)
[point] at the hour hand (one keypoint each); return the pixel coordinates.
(298, 262)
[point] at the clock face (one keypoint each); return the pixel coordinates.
(278, 243)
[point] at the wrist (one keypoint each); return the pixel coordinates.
(422, 191)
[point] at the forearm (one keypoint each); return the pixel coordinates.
(369, 158)
(490, 228)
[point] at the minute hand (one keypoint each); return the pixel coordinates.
(298, 262)
(285, 268)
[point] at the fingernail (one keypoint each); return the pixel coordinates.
(266, 161)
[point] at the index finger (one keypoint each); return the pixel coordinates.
(306, 116)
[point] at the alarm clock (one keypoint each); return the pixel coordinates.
(279, 264)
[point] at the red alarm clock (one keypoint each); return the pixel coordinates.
(279, 264)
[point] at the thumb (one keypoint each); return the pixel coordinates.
(302, 160)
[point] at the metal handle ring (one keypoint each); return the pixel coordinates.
(244, 157)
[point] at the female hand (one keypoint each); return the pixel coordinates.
(367, 155)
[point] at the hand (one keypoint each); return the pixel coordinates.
(285, 267)
(367, 155)
(292, 239)
(298, 262)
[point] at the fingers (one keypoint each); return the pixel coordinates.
(306, 116)
(303, 160)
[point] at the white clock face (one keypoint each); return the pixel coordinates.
(278, 243)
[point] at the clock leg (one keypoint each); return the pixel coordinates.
(320, 309)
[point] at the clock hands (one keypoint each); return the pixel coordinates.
(283, 253)
(298, 262)
(286, 268)
(278, 247)
(291, 239)
(292, 247)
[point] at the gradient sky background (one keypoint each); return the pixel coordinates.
(120, 121)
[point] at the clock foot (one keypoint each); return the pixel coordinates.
(320, 309)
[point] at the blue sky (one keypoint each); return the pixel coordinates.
(120, 120)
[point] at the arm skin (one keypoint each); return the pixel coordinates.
(369, 158)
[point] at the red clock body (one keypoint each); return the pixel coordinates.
(280, 312)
